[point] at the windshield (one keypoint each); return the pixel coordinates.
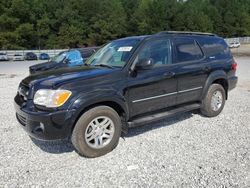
(59, 58)
(114, 54)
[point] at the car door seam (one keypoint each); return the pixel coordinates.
(154, 97)
(168, 94)
(192, 89)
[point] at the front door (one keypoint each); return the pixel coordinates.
(154, 88)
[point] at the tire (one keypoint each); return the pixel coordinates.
(90, 123)
(207, 108)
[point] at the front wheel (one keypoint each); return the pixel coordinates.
(214, 101)
(97, 132)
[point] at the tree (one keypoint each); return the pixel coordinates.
(70, 36)
(191, 17)
(72, 23)
(26, 36)
(109, 23)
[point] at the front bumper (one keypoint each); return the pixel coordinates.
(45, 125)
(232, 82)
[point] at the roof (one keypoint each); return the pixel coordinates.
(184, 33)
(134, 37)
(171, 33)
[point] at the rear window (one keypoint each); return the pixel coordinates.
(187, 50)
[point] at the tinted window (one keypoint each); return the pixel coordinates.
(187, 50)
(215, 47)
(158, 50)
(86, 54)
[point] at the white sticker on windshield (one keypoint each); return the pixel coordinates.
(125, 49)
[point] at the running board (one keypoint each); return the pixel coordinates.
(162, 115)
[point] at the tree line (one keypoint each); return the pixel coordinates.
(33, 24)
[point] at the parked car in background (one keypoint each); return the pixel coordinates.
(70, 58)
(44, 56)
(234, 45)
(18, 57)
(87, 52)
(4, 57)
(30, 56)
(129, 82)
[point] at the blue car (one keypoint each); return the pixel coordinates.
(70, 58)
(44, 56)
(73, 58)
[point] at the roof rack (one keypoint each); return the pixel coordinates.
(185, 33)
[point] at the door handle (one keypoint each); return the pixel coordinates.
(169, 74)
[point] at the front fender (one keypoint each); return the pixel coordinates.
(84, 100)
(219, 74)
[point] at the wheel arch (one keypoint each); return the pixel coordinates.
(218, 77)
(115, 103)
(224, 83)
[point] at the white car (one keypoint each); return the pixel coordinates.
(18, 57)
(4, 57)
(234, 45)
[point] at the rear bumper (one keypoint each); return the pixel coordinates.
(232, 82)
(45, 125)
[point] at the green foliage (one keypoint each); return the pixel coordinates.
(191, 17)
(108, 23)
(32, 24)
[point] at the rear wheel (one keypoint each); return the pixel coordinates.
(97, 132)
(214, 101)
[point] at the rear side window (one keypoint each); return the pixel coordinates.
(215, 48)
(187, 50)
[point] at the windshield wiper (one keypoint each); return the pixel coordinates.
(104, 65)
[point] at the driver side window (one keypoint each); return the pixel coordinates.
(159, 51)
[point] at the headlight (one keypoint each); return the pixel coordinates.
(51, 98)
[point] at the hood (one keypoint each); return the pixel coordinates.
(44, 66)
(55, 77)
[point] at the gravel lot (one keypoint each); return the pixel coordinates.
(243, 50)
(185, 151)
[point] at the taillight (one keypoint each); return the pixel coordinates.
(234, 65)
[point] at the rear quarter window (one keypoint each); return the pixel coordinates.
(215, 47)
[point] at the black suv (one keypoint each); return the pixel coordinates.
(129, 82)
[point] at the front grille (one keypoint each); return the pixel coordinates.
(21, 119)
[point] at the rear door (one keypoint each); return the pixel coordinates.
(192, 69)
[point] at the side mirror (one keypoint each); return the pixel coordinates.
(145, 64)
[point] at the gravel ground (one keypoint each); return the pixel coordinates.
(186, 151)
(243, 50)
